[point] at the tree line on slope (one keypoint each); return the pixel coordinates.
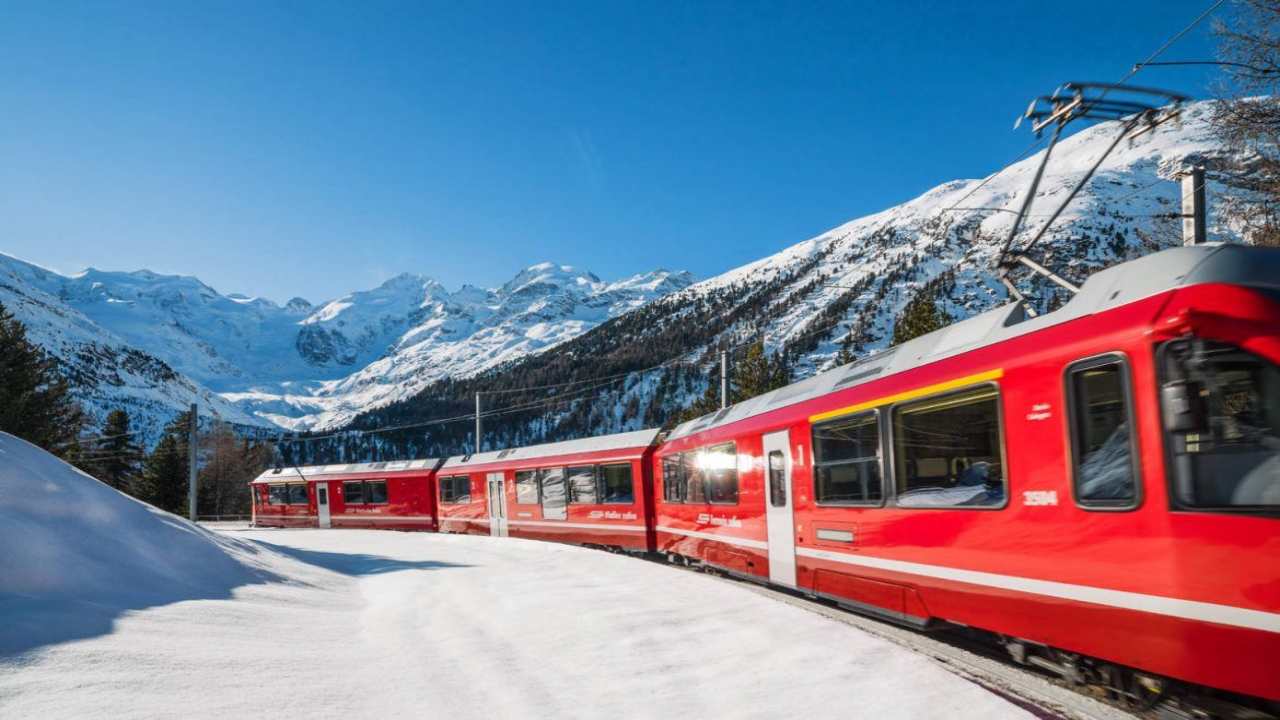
(36, 405)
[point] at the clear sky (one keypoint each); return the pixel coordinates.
(314, 148)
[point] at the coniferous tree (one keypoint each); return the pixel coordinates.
(921, 316)
(164, 475)
(117, 459)
(35, 401)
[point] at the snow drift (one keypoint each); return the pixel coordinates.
(78, 553)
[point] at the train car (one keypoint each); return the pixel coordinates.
(592, 492)
(1097, 487)
(385, 495)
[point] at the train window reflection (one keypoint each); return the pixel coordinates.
(527, 487)
(1101, 441)
(582, 485)
(846, 458)
(673, 480)
(616, 486)
(297, 494)
(719, 463)
(553, 493)
(455, 490)
(1233, 460)
(947, 451)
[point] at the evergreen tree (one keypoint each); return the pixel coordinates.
(117, 459)
(755, 374)
(35, 401)
(921, 316)
(164, 475)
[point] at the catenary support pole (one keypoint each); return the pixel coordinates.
(479, 429)
(724, 379)
(1193, 209)
(192, 488)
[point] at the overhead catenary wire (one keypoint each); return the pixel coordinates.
(594, 384)
(1128, 76)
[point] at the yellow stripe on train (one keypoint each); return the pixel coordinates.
(911, 394)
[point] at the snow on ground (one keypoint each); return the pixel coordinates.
(363, 624)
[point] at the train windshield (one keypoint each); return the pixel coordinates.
(1228, 456)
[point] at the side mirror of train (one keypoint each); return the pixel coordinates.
(1185, 409)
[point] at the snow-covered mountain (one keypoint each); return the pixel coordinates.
(297, 365)
(844, 289)
(106, 369)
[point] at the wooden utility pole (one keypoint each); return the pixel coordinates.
(1193, 208)
(724, 379)
(192, 487)
(479, 428)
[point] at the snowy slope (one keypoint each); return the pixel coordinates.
(375, 624)
(107, 372)
(299, 365)
(78, 554)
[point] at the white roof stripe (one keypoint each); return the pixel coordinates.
(602, 443)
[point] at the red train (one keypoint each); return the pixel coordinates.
(1098, 487)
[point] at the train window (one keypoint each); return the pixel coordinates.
(615, 484)
(277, 495)
(582, 485)
(695, 478)
(527, 487)
(455, 490)
(375, 492)
(948, 451)
(353, 492)
(1226, 449)
(297, 494)
(553, 493)
(777, 479)
(846, 461)
(720, 465)
(1101, 444)
(673, 480)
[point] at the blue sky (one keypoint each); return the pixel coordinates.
(316, 148)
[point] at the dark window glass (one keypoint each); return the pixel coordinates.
(1233, 459)
(720, 464)
(672, 479)
(777, 479)
(1100, 435)
(846, 458)
(582, 485)
(322, 496)
(947, 451)
(527, 487)
(297, 494)
(353, 493)
(455, 490)
(615, 484)
(695, 479)
(278, 495)
(553, 493)
(375, 491)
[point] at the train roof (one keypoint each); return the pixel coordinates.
(1106, 289)
(602, 443)
(315, 472)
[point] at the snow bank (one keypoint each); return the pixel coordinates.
(77, 553)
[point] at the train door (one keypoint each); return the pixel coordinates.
(778, 509)
(497, 506)
(322, 504)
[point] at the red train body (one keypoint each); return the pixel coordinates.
(385, 495)
(1102, 480)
